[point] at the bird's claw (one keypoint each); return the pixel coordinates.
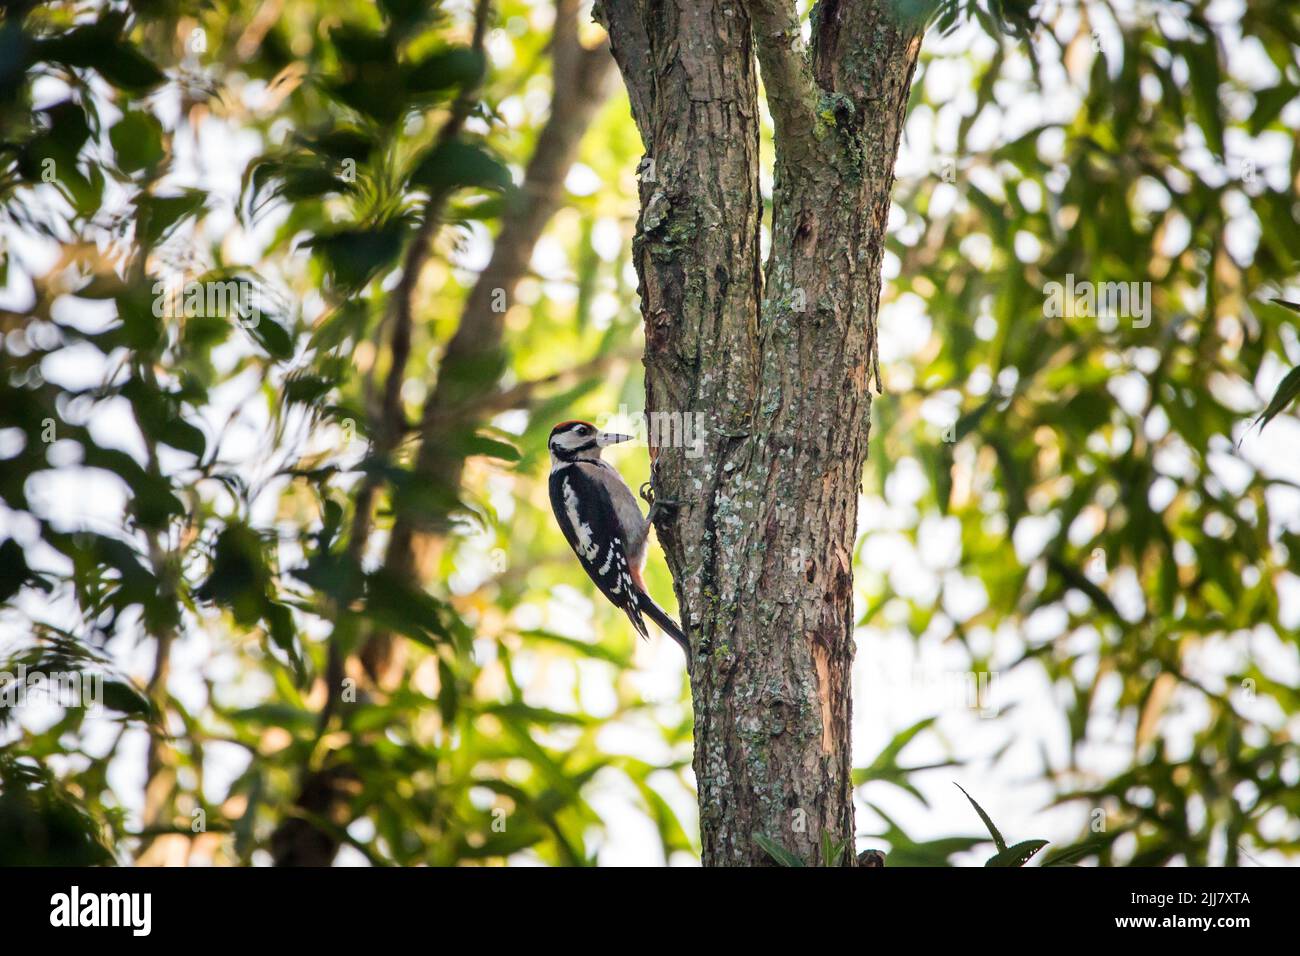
(658, 505)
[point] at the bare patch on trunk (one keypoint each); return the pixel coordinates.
(822, 660)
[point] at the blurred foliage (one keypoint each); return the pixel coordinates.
(1126, 533)
(179, 486)
(235, 435)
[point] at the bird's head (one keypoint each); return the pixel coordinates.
(575, 441)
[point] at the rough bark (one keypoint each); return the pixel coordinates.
(777, 363)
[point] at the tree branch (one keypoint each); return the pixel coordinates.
(856, 45)
(297, 841)
(629, 41)
(417, 254)
(792, 93)
(392, 417)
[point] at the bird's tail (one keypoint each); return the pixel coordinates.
(665, 622)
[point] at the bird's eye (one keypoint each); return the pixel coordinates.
(585, 430)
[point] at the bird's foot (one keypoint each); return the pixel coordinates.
(660, 506)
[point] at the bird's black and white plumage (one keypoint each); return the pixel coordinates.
(602, 521)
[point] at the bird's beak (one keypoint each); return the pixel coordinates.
(610, 438)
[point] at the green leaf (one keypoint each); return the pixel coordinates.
(137, 141)
(182, 435)
(406, 14)
(240, 577)
(988, 823)
(583, 648)
(293, 179)
(454, 164)
(1287, 390)
(274, 715)
(779, 854)
(886, 768)
(129, 69)
(100, 46)
(14, 572)
(279, 627)
(448, 694)
(832, 850)
(1070, 854)
(355, 256)
(273, 337)
(1017, 855)
(42, 824)
(1203, 72)
(1269, 105)
(344, 142)
(159, 215)
(370, 79)
(306, 389)
(159, 417)
(405, 609)
(488, 447)
(457, 66)
(542, 716)
(125, 698)
(672, 835)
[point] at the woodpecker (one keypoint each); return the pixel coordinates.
(603, 523)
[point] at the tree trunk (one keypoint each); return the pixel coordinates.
(775, 367)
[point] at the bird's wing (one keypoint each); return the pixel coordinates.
(585, 515)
